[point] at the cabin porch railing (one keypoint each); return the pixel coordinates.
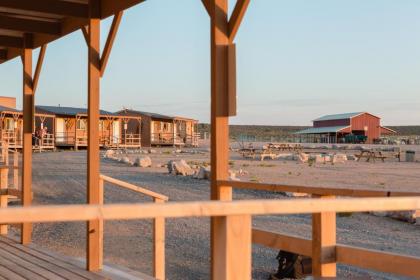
(12, 137)
(131, 140)
(233, 256)
(178, 139)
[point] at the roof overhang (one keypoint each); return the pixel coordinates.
(33, 23)
(323, 130)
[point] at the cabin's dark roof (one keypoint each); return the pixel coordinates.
(152, 115)
(8, 109)
(69, 111)
(149, 114)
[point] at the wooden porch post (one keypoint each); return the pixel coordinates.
(94, 227)
(219, 127)
(234, 234)
(323, 243)
(28, 127)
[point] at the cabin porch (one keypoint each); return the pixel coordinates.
(177, 132)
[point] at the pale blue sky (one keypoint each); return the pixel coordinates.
(297, 59)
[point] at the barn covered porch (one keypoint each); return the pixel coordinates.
(327, 135)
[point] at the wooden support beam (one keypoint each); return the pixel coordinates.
(39, 67)
(4, 200)
(64, 8)
(323, 243)
(29, 25)
(11, 41)
(379, 260)
(159, 245)
(219, 120)
(207, 6)
(237, 17)
(85, 33)
(28, 128)
(94, 242)
(284, 242)
(110, 41)
(233, 251)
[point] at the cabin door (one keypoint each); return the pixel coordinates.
(115, 132)
(60, 130)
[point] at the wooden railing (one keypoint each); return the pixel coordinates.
(234, 260)
(158, 224)
(8, 190)
(12, 138)
(131, 140)
(169, 138)
(323, 249)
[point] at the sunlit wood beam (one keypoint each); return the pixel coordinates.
(110, 41)
(39, 67)
(237, 17)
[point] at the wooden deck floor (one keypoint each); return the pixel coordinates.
(31, 262)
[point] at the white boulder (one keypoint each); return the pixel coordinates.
(143, 161)
(180, 167)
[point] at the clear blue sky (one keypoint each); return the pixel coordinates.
(297, 59)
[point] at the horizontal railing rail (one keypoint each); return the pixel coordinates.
(135, 188)
(315, 190)
(68, 213)
(351, 255)
(237, 225)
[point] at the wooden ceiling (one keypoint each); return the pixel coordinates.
(33, 23)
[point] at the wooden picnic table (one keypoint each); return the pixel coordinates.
(379, 154)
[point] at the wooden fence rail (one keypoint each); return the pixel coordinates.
(236, 229)
(321, 191)
(158, 226)
(323, 246)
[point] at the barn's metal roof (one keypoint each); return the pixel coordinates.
(338, 116)
(69, 111)
(318, 130)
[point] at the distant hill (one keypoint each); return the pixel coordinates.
(266, 132)
(406, 129)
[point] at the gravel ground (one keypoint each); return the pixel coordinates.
(60, 178)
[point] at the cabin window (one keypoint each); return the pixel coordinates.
(81, 124)
(9, 124)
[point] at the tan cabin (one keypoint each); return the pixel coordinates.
(11, 126)
(163, 130)
(70, 128)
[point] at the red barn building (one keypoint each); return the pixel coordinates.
(337, 128)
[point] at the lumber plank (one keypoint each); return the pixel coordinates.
(324, 237)
(39, 271)
(284, 242)
(20, 270)
(50, 262)
(133, 187)
(83, 212)
(316, 190)
(8, 274)
(380, 261)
